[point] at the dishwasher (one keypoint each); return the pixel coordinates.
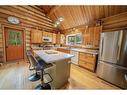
(74, 59)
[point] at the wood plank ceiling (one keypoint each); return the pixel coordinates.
(81, 15)
(29, 16)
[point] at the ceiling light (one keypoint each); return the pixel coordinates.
(57, 22)
(55, 25)
(60, 19)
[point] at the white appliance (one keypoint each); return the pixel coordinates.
(47, 39)
(75, 58)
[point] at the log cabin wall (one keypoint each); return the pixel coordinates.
(115, 22)
(30, 18)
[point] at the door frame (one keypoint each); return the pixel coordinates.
(4, 41)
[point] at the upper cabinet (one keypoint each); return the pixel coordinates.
(54, 38)
(92, 36)
(47, 34)
(36, 36)
(62, 39)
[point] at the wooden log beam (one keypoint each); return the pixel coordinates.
(53, 10)
(24, 25)
(35, 11)
(26, 13)
(23, 17)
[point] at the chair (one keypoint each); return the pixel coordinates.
(39, 65)
(33, 66)
(44, 86)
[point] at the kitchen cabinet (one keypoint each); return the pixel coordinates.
(96, 36)
(62, 39)
(75, 59)
(92, 36)
(47, 34)
(36, 36)
(88, 36)
(87, 61)
(50, 34)
(63, 50)
(58, 38)
(54, 38)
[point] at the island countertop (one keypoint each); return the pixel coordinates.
(50, 56)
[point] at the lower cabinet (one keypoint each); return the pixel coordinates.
(82, 59)
(87, 61)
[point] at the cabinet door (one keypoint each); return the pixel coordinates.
(91, 32)
(87, 65)
(87, 37)
(45, 34)
(62, 39)
(50, 35)
(54, 38)
(58, 38)
(36, 36)
(96, 37)
(87, 61)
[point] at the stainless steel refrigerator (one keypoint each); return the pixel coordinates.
(112, 62)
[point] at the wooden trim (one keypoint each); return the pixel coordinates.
(4, 49)
(24, 38)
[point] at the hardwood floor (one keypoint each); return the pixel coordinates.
(83, 79)
(15, 76)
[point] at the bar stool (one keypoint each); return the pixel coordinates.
(43, 85)
(33, 65)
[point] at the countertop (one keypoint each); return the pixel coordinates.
(50, 56)
(95, 52)
(90, 51)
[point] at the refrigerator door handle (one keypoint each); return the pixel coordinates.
(119, 45)
(102, 47)
(125, 76)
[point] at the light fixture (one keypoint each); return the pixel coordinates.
(60, 19)
(55, 25)
(57, 22)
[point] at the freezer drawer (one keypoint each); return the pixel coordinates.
(112, 73)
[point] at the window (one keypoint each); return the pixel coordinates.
(74, 39)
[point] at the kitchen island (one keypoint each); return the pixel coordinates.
(60, 71)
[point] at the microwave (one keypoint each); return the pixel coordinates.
(47, 39)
